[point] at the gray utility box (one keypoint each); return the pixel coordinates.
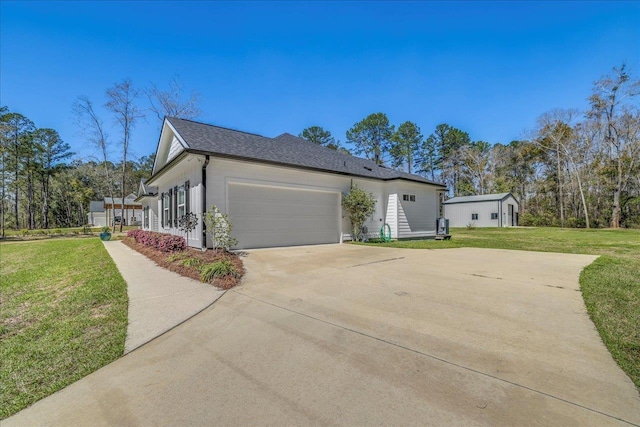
(442, 229)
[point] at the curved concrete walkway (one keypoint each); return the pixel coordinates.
(355, 335)
(158, 299)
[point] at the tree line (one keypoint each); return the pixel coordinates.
(41, 187)
(574, 168)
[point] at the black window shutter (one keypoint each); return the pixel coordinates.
(187, 208)
(175, 206)
(162, 219)
(170, 209)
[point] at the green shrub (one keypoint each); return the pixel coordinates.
(359, 206)
(217, 269)
(191, 262)
(177, 256)
(24, 232)
(218, 227)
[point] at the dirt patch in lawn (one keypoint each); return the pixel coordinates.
(190, 262)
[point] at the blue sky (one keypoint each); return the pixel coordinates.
(489, 68)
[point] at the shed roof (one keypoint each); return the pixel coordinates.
(128, 200)
(480, 198)
(285, 149)
(96, 206)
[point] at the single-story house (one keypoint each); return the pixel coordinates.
(279, 191)
(96, 216)
(488, 210)
(102, 212)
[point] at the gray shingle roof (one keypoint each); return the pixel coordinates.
(128, 200)
(96, 206)
(482, 198)
(147, 190)
(285, 149)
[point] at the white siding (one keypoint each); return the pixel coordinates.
(175, 148)
(391, 217)
(188, 169)
(460, 214)
(507, 220)
(97, 219)
(416, 218)
(152, 203)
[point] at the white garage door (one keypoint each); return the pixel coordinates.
(269, 216)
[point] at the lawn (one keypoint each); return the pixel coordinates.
(610, 286)
(24, 234)
(64, 315)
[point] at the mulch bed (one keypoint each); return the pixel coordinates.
(172, 261)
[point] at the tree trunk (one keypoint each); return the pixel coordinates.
(2, 204)
(615, 213)
(584, 202)
(122, 206)
(45, 201)
(560, 196)
(30, 213)
(15, 182)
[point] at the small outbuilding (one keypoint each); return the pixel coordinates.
(103, 212)
(487, 210)
(97, 216)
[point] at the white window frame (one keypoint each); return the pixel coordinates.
(182, 204)
(166, 210)
(474, 215)
(494, 215)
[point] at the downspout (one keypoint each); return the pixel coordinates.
(204, 200)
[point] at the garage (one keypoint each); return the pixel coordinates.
(267, 216)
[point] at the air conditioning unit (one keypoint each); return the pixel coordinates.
(442, 229)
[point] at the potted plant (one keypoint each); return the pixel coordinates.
(105, 234)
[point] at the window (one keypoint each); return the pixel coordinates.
(165, 210)
(408, 197)
(181, 202)
(474, 216)
(494, 215)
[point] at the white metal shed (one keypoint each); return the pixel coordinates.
(488, 210)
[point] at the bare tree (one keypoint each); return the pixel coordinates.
(121, 102)
(171, 103)
(608, 109)
(554, 130)
(93, 127)
(476, 160)
(570, 142)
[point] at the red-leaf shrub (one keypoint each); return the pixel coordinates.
(160, 241)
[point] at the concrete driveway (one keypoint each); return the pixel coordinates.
(350, 335)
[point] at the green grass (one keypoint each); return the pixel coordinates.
(610, 286)
(64, 315)
(57, 231)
